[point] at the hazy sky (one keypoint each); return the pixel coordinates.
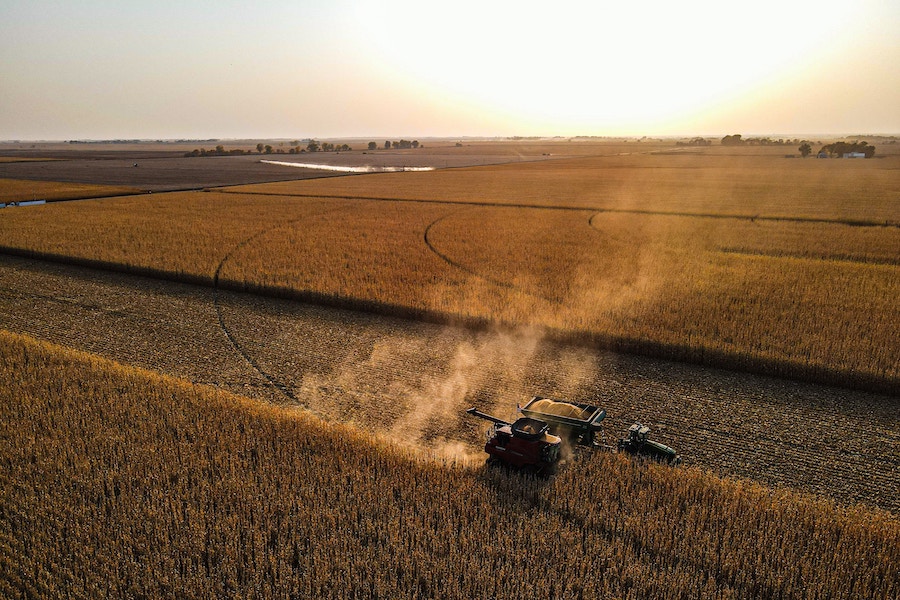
(294, 69)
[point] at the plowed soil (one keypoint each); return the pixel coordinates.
(151, 168)
(414, 380)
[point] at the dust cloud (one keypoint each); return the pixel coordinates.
(442, 398)
(414, 390)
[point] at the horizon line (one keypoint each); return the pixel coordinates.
(554, 137)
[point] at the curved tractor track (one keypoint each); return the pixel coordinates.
(458, 265)
(414, 380)
(280, 386)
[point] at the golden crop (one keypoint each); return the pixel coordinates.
(752, 186)
(17, 190)
(784, 267)
(116, 482)
(12, 159)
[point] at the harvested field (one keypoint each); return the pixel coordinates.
(805, 297)
(414, 380)
(162, 167)
(156, 174)
(122, 483)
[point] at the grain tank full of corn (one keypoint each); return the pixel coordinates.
(572, 423)
(575, 422)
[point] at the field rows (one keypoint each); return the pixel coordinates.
(118, 482)
(414, 381)
(809, 300)
(687, 183)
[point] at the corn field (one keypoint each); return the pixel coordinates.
(416, 379)
(743, 185)
(121, 483)
(785, 268)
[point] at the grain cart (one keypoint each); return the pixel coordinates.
(636, 442)
(574, 422)
(525, 444)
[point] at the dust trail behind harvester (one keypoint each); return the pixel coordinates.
(416, 390)
(475, 367)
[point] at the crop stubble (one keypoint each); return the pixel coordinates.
(812, 299)
(414, 380)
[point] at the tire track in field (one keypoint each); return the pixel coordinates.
(563, 207)
(457, 265)
(751, 218)
(815, 439)
(776, 455)
(847, 258)
(883, 262)
(274, 381)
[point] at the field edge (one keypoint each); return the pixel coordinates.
(695, 355)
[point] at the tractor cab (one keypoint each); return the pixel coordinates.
(637, 433)
(636, 442)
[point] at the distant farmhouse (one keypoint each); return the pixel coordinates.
(848, 150)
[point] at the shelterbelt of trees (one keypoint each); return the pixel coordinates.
(839, 148)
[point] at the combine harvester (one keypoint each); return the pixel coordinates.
(525, 444)
(535, 442)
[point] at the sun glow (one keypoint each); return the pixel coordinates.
(397, 68)
(645, 64)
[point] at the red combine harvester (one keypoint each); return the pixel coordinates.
(525, 444)
(533, 442)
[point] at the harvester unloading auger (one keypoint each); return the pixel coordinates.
(534, 442)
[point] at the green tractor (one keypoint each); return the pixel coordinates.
(636, 442)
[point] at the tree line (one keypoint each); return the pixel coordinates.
(218, 151)
(697, 141)
(805, 148)
(738, 140)
(311, 146)
(842, 148)
(396, 144)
